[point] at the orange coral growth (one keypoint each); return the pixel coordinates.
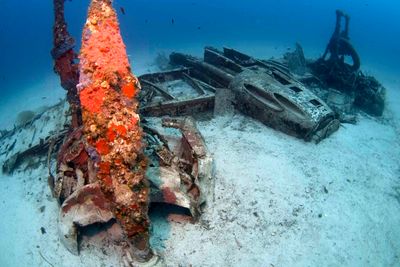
(102, 147)
(104, 168)
(111, 123)
(111, 134)
(104, 49)
(92, 98)
(104, 173)
(134, 206)
(106, 179)
(129, 90)
(115, 130)
(134, 121)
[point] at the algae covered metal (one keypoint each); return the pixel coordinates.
(265, 91)
(334, 71)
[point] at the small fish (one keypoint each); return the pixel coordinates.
(172, 21)
(326, 190)
(122, 10)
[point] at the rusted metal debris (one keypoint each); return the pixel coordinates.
(156, 100)
(65, 61)
(26, 142)
(101, 165)
(107, 150)
(85, 206)
(181, 167)
(180, 173)
(366, 93)
(265, 90)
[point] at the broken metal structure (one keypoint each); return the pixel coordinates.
(264, 90)
(334, 72)
(111, 130)
(100, 166)
(181, 168)
(102, 172)
(174, 93)
(65, 64)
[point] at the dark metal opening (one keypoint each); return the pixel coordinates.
(289, 106)
(262, 96)
(315, 102)
(295, 89)
(280, 79)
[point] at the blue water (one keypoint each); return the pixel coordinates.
(26, 29)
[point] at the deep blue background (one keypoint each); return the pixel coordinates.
(26, 29)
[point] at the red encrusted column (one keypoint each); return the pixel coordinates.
(107, 91)
(64, 61)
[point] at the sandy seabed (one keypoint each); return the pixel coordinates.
(278, 201)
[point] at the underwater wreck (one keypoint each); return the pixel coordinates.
(107, 161)
(363, 92)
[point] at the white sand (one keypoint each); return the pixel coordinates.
(278, 201)
(270, 194)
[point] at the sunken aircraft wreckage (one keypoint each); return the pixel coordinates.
(95, 141)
